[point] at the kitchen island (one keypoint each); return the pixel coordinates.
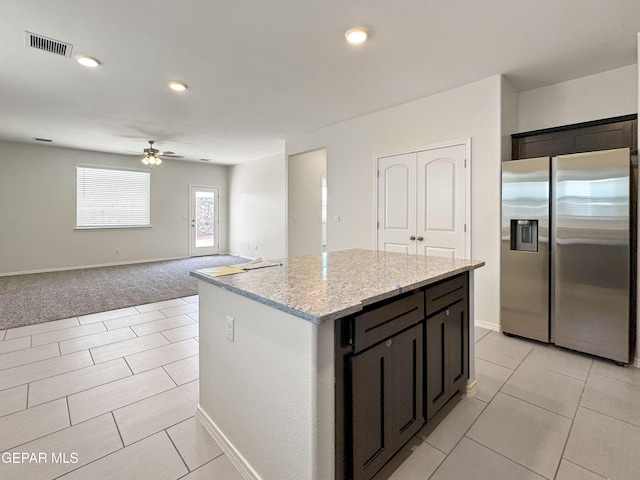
(273, 352)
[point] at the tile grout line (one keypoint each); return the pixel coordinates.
(614, 379)
(164, 317)
(609, 416)
(97, 333)
(27, 363)
(134, 338)
(464, 435)
(510, 459)
(41, 436)
(115, 422)
(172, 379)
(166, 431)
(26, 400)
(156, 348)
(564, 447)
(584, 468)
(486, 405)
(484, 409)
(79, 391)
(461, 437)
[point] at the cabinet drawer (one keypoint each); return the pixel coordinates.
(383, 322)
(445, 293)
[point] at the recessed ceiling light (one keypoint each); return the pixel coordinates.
(177, 86)
(356, 35)
(87, 61)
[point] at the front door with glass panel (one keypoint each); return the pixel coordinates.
(203, 228)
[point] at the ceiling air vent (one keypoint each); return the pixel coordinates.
(47, 44)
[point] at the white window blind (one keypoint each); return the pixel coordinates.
(112, 198)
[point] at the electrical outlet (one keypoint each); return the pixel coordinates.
(230, 327)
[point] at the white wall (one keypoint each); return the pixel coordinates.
(509, 109)
(604, 95)
(257, 208)
(304, 187)
(352, 146)
(269, 394)
(38, 210)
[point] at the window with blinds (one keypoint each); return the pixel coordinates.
(112, 198)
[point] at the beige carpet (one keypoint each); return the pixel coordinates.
(42, 297)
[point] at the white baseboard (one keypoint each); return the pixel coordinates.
(490, 326)
(96, 265)
(241, 464)
(112, 264)
(472, 388)
(241, 255)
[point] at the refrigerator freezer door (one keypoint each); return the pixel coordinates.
(525, 248)
(591, 253)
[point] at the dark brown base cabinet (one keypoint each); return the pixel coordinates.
(387, 400)
(397, 364)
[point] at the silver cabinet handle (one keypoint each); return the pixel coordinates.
(412, 237)
(420, 239)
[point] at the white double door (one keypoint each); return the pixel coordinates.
(422, 198)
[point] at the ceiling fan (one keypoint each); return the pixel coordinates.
(153, 156)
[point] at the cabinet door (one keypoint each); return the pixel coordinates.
(436, 340)
(407, 385)
(447, 356)
(387, 386)
(457, 354)
(371, 373)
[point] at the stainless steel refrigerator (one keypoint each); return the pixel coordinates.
(566, 240)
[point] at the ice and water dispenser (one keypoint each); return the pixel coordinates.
(524, 235)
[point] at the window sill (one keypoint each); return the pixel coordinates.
(121, 227)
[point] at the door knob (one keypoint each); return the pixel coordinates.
(420, 239)
(412, 237)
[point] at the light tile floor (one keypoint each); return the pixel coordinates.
(106, 396)
(113, 396)
(542, 412)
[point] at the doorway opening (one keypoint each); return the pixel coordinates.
(307, 203)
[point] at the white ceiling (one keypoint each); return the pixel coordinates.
(262, 71)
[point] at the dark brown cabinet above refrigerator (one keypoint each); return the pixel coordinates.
(606, 134)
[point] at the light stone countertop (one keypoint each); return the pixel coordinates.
(332, 285)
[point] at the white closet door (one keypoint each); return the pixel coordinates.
(397, 203)
(441, 202)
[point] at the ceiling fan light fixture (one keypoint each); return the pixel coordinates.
(88, 61)
(152, 160)
(177, 86)
(356, 35)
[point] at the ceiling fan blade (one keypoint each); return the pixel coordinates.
(173, 155)
(168, 152)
